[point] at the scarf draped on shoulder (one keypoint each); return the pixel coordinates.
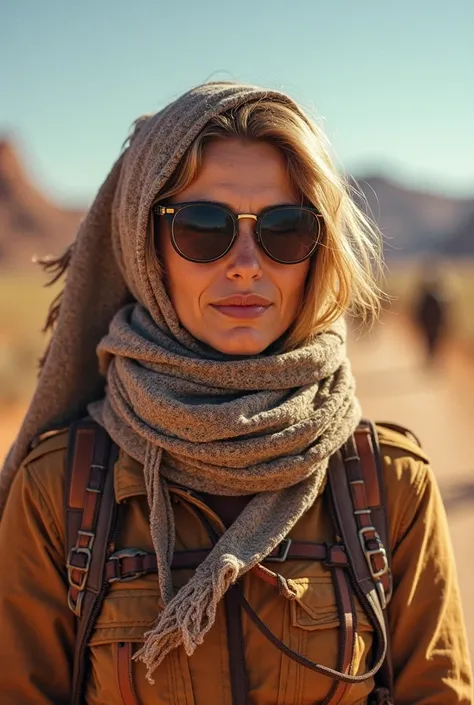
(264, 425)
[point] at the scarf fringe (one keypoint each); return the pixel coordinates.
(188, 617)
(57, 267)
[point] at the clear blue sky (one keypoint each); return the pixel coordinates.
(393, 82)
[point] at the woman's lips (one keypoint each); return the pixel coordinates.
(241, 311)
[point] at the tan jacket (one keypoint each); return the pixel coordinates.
(37, 630)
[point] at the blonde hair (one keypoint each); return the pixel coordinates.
(343, 277)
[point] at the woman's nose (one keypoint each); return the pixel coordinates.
(245, 255)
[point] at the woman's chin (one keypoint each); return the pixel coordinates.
(241, 341)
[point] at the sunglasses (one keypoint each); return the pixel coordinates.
(204, 232)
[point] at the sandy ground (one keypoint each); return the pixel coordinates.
(395, 384)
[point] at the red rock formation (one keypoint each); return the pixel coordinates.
(30, 224)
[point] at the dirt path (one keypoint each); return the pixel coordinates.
(395, 384)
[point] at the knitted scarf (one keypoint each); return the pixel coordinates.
(263, 425)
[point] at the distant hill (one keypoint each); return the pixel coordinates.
(29, 223)
(414, 221)
(411, 221)
(462, 242)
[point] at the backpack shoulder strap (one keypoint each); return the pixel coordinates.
(357, 494)
(90, 523)
(368, 447)
(371, 468)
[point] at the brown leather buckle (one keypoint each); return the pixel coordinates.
(283, 550)
(117, 557)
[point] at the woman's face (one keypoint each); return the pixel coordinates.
(247, 177)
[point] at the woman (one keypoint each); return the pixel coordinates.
(212, 272)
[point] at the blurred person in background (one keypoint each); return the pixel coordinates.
(193, 510)
(431, 309)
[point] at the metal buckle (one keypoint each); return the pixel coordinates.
(83, 570)
(75, 607)
(380, 551)
(283, 550)
(127, 553)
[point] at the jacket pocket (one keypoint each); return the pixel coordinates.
(316, 621)
(113, 677)
(315, 605)
(126, 615)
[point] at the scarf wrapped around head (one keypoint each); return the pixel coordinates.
(264, 425)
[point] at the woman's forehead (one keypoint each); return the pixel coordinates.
(233, 170)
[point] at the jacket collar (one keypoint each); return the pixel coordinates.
(129, 480)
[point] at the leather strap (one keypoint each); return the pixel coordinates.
(89, 445)
(302, 660)
(332, 555)
(132, 563)
(368, 498)
(84, 486)
(124, 673)
(235, 638)
(348, 618)
(355, 523)
(236, 648)
(384, 679)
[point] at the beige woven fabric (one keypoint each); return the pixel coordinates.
(265, 425)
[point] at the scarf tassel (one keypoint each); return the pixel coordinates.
(188, 617)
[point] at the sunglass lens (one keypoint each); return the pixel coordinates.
(202, 232)
(289, 235)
